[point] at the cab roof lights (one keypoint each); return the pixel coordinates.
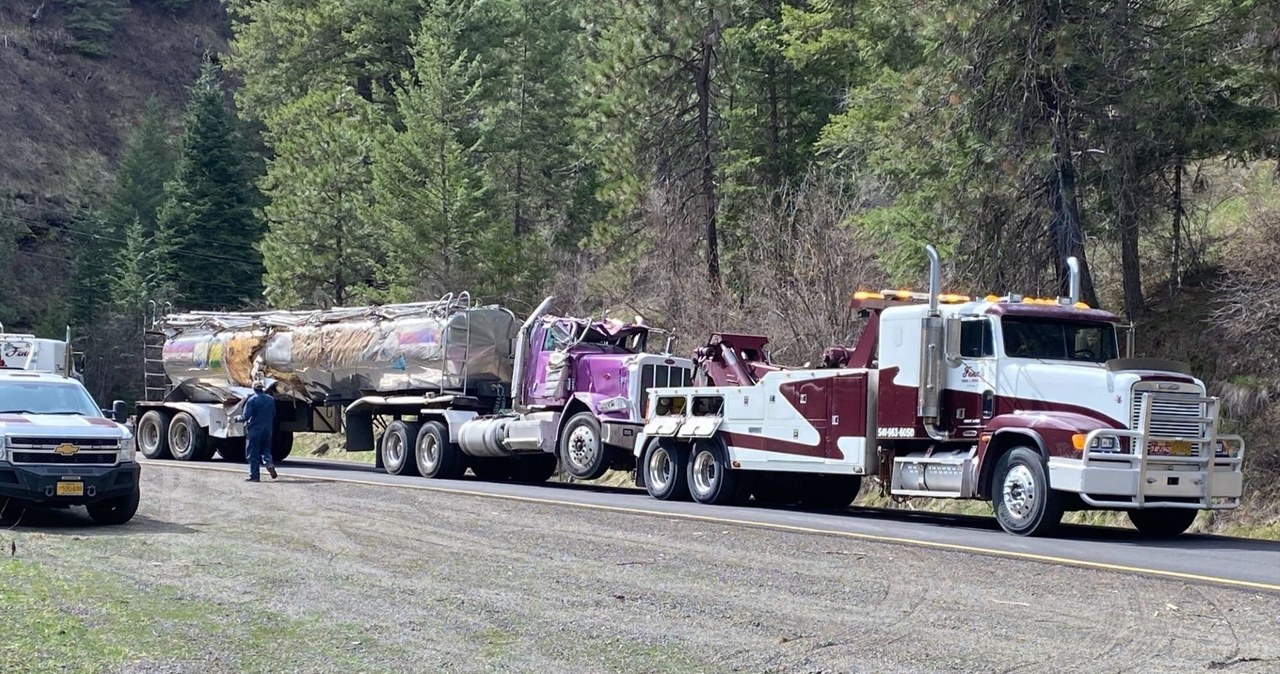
(952, 298)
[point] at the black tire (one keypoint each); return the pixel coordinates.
(709, 476)
(436, 457)
(11, 511)
(1021, 497)
(115, 511)
(153, 435)
(665, 466)
(397, 448)
(1162, 522)
(582, 450)
(187, 440)
(281, 446)
(233, 450)
(533, 469)
(830, 492)
(491, 469)
(777, 489)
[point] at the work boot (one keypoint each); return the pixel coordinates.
(271, 470)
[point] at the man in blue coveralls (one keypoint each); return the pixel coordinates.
(259, 417)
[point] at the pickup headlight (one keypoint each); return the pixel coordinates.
(4, 448)
(128, 450)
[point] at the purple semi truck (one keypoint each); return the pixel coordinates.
(451, 386)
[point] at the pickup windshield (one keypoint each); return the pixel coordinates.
(1059, 340)
(46, 398)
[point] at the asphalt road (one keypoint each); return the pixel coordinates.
(1236, 562)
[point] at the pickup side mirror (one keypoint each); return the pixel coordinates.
(119, 411)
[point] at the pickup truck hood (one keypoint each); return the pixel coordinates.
(47, 425)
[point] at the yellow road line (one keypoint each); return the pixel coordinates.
(876, 538)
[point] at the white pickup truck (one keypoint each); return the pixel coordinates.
(58, 449)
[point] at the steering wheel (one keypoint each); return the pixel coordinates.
(1082, 354)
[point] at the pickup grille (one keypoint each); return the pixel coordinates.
(661, 376)
(78, 459)
(50, 443)
(1172, 418)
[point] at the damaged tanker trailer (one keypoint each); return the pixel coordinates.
(435, 388)
(1025, 403)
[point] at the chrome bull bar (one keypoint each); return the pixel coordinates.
(1207, 465)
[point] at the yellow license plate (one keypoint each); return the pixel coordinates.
(1180, 448)
(70, 489)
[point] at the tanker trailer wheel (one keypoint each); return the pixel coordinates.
(436, 456)
(533, 469)
(582, 448)
(281, 446)
(187, 441)
(1162, 522)
(1020, 494)
(233, 450)
(665, 475)
(711, 481)
(153, 435)
(397, 448)
(830, 492)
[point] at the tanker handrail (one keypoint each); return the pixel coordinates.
(285, 318)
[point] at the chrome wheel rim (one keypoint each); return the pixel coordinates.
(428, 452)
(1019, 493)
(393, 449)
(705, 473)
(150, 436)
(180, 438)
(583, 447)
(661, 471)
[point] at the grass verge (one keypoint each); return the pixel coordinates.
(85, 623)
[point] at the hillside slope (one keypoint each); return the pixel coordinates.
(64, 117)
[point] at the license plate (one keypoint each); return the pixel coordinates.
(70, 489)
(1180, 448)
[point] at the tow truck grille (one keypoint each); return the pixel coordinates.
(1171, 418)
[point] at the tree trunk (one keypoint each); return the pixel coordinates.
(709, 204)
(1175, 279)
(1127, 218)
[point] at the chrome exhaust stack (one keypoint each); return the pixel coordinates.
(932, 356)
(1073, 284)
(517, 373)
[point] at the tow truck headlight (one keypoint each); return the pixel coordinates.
(1225, 448)
(1102, 443)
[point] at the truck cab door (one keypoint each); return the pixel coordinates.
(970, 397)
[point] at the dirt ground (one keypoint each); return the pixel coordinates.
(311, 576)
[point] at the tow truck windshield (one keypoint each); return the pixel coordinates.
(46, 397)
(1059, 340)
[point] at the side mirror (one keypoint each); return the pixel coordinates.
(952, 348)
(119, 411)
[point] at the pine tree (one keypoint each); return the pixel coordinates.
(91, 23)
(147, 163)
(146, 269)
(209, 206)
(428, 195)
(94, 249)
(322, 245)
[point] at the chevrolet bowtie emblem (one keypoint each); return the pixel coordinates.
(66, 449)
